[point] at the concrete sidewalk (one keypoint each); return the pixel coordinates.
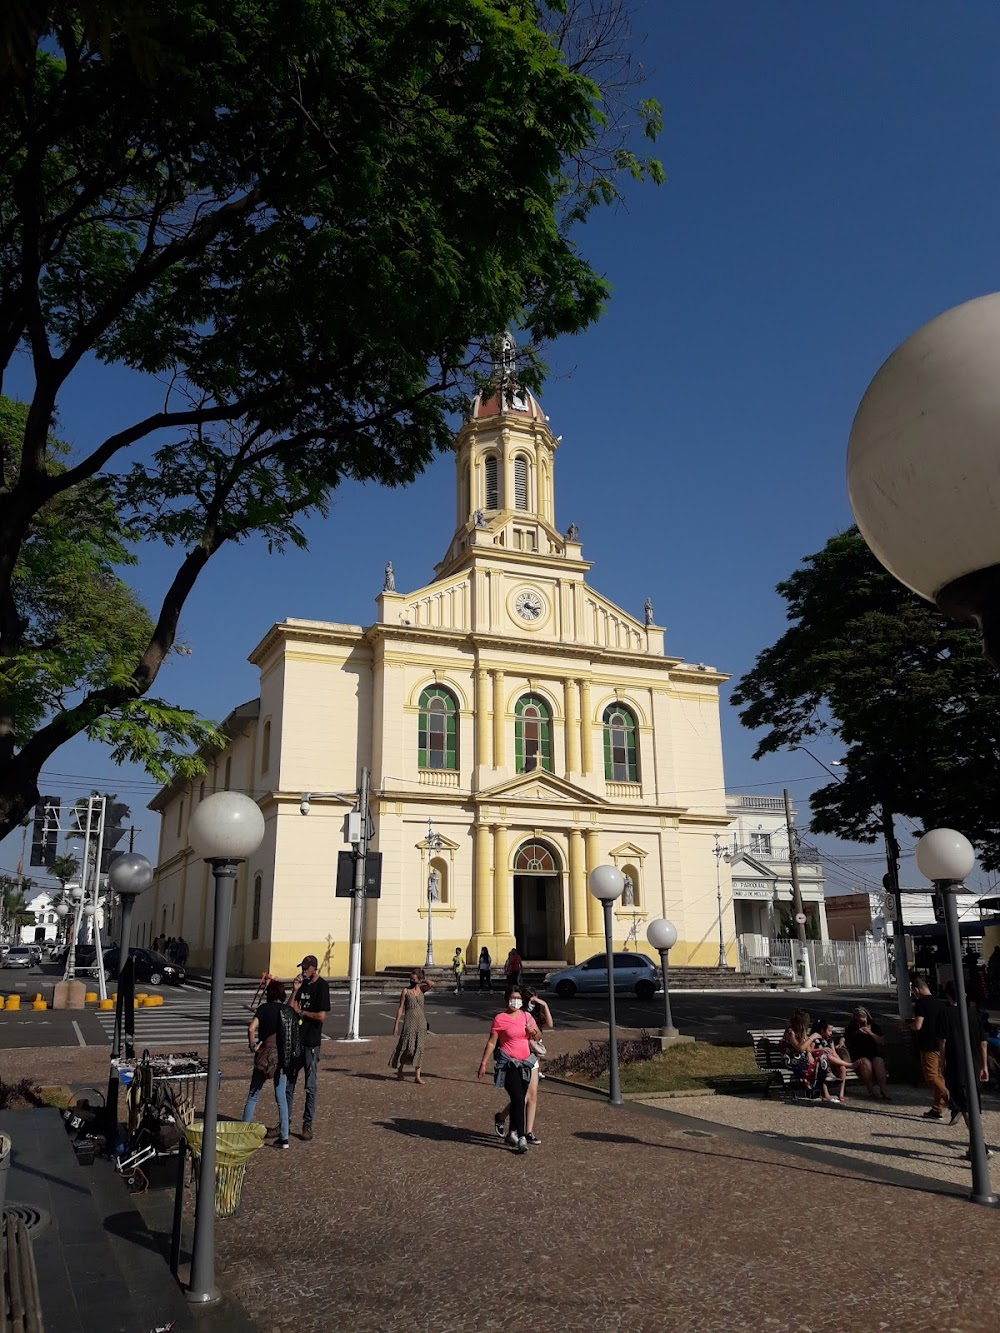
(407, 1213)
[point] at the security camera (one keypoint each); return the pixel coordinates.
(305, 804)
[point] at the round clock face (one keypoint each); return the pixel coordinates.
(529, 605)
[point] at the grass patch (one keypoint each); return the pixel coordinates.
(692, 1066)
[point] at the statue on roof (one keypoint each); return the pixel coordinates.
(648, 611)
(389, 585)
(479, 519)
(572, 533)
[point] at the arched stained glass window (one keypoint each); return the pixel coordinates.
(492, 487)
(437, 739)
(520, 483)
(620, 758)
(534, 858)
(532, 734)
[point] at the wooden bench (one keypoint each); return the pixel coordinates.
(769, 1056)
(20, 1305)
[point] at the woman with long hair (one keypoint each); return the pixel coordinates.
(265, 1036)
(511, 1031)
(865, 1043)
(542, 1015)
(833, 1051)
(410, 1046)
(803, 1058)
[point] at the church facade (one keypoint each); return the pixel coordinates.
(519, 730)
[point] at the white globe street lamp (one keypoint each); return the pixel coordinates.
(946, 857)
(922, 464)
(662, 935)
(226, 828)
(607, 883)
(129, 875)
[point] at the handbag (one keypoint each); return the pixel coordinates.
(265, 1057)
(535, 1047)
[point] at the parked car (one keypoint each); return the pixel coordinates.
(632, 972)
(36, 952)
(19, 957)
(149, 966)
(771, 967)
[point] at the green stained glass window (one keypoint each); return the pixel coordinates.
(532, 734)
(620, 758)
(437, 739)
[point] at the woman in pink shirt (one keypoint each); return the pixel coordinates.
(513, 1062)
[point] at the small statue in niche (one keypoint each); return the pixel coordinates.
(434, 886)
(572, 533)
(389, 584)
(479, 519)
(648, 609)
(628, 893)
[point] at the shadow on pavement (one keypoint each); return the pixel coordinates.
(434, 1129)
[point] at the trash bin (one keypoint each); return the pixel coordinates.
(235, 1144)
(5, 1146)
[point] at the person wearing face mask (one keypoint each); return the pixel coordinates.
(542, 1014)
(512, 1030)
(410, 1046)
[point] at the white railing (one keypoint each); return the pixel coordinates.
(437, 777)
(837, 963)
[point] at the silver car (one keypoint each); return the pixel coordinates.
(632, 972)
(19, 957)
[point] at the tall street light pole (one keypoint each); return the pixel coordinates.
(891, 885)
(662, 935)
(226, 828)
(946, 858)
(128, 876)
(607, 883)
(721, 854)
(800, 916)
(433, 891)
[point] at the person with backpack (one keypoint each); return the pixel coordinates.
(273, 1036)
(458, 967)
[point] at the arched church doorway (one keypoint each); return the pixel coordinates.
(538, 902)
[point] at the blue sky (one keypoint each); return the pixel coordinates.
(832, 183)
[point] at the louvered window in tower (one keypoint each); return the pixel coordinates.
(492, 493)
(520, 483)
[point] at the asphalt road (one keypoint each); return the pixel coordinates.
(182, 1022)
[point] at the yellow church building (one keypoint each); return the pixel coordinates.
(519, 729)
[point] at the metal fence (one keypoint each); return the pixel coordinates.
(833, 962)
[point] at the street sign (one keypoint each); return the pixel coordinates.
(345, 875)
(891, 906)
(800, 918)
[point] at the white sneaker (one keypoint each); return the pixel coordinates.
(512, 1138)
(522, 1145)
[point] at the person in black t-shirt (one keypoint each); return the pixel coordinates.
(311, 1001)
(950, 1034)
(264, 1036)
(926, 1023)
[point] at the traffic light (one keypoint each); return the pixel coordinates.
(115, 827)
(45, 831)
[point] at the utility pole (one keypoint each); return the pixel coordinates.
(891, 885)
(800, 916)
(357, 917)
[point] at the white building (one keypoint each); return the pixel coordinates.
(45, 925)
(760, 867)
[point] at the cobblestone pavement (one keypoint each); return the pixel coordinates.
(405, 1213)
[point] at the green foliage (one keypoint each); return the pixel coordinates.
(310, 224)
(64, 868)
(905, 691)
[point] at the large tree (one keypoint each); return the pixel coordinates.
(904, 689)
(309, 221)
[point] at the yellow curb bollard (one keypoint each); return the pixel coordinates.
(91, 997)
(106, 1004)
(1, 1001)
(13, 1002)
(39, 1004)
(141, 997)
(152, 1001)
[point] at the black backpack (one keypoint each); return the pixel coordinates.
(289, 1041)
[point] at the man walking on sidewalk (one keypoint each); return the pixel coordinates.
(927, 1021)
(311, 1001)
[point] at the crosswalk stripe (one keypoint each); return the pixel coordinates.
(182, 1021)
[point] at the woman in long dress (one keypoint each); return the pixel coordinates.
(410, 1010)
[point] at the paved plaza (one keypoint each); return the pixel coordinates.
(406, 1213)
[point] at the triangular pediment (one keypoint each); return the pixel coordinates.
(628, 851)
(541, 787)
(746, 862)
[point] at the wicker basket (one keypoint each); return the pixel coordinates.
(235, 1144)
